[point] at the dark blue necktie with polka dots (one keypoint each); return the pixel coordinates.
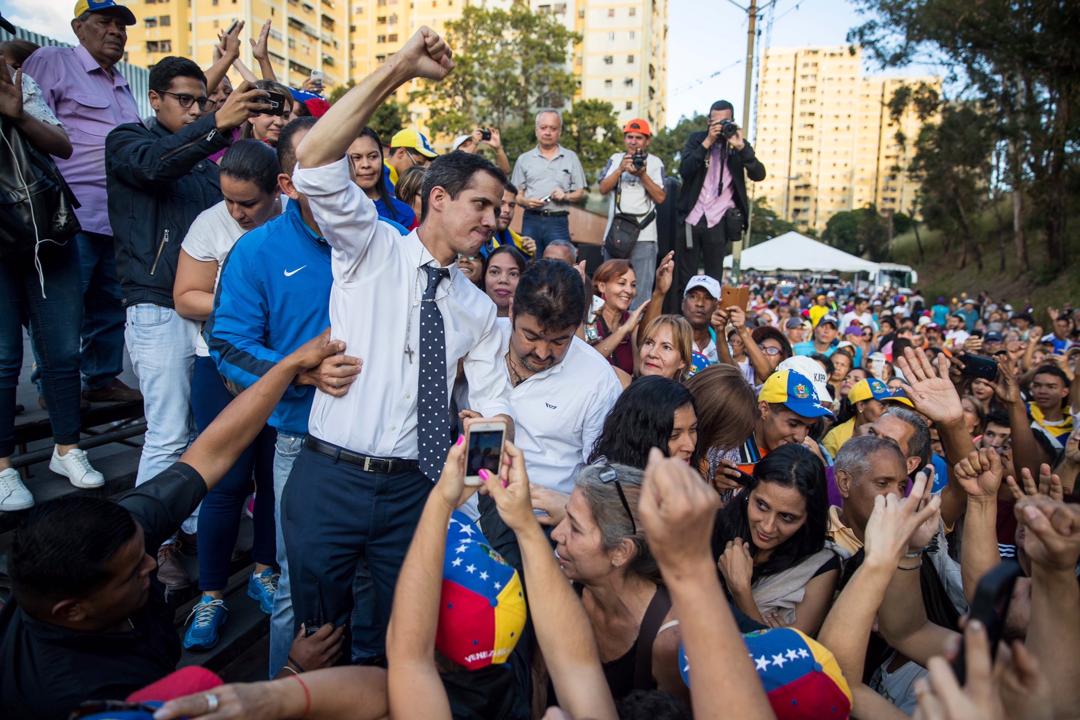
(432, 404)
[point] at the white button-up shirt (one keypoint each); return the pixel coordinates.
(559, 413)
(375, 300)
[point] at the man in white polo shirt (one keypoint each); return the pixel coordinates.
(562, 388)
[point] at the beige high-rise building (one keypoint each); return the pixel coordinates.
(825, 135)
(622, 57)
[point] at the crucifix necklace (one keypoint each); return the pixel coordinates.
(408, 351)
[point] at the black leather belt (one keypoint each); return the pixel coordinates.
(384, 466)
(548, 213)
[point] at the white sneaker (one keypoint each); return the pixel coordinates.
(75, 466)
(13, 494)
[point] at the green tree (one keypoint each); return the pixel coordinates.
(339, 91)
(668, 143)
(862, 232)
(592, 130)
(765, 224)
(389, 117)
(1016, 60)
(507, 64)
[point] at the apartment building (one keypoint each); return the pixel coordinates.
(622, 57)
(826, 136)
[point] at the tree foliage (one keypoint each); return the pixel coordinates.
(765, 224)
(507, 64)
(862, 232)
(389, 117)
(591, 129)
(668, 142)
(1017, 61)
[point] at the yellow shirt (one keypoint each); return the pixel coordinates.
(839, 435)
(841, 534)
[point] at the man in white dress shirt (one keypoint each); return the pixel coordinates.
(358, 487)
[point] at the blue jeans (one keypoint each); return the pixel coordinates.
(161, 344)
(545, 228)
(281, 622)
(103, 313)
(335, 517)
(54, 320)
(219, 514)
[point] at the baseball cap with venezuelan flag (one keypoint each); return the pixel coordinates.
(85, 6)
(482, 607)
(794, 391)
(802, 679)
(414, 140)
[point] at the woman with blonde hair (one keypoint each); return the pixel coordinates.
(666, 347)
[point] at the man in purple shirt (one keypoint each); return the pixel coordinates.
(712, 204)
(90, 97)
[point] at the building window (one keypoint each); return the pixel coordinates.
(607, 83)
(629, 104)
(628, 82)
(610, 35)
(633, 34)
(381, 19)
(164, 21)
(581, 14)
(392, 37)
(629, 59)
(380, 38)
(150, 22)
(609, 59)
(611, 12)
(633, 12)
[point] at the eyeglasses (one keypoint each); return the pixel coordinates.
(770, 350)
(608, 475)
(186, 100)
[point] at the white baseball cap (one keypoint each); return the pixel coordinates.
(710, 284)
(459, 141)
(812, 369)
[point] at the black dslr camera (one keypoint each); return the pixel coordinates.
(728, 129)
(638, 159)
(485, 134)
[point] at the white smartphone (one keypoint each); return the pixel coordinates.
(317, 75)
(483, 449)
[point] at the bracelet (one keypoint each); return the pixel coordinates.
(290, 668)
(914, 567)
(307, 695)
(296, 664)
(912, 554)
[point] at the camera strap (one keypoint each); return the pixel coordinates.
(641, 220)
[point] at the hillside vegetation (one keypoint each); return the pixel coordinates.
(940, 272)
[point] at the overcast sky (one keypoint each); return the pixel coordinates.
(706, 40)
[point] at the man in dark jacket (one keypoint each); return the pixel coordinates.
(712, 203)
(159, 179)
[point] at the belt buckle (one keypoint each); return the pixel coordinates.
(367, 464)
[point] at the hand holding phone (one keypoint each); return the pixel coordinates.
(980, 366)
(483, 449)
(990, 607)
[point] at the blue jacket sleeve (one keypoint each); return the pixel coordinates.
(237, 330)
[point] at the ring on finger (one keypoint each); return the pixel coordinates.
(212, 702)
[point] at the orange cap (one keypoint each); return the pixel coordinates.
(637, 125)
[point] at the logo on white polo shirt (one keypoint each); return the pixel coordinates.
(553, 407)
(290, 273)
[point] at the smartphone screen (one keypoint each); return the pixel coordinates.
(485, 448)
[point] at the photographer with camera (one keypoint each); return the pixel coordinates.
(472, 142)
(635, 182)
(714, 167)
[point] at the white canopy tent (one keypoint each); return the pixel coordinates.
(792, 251)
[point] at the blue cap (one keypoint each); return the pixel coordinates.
(85, 6)
(795, 392)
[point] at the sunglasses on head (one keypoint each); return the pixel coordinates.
(609, 474)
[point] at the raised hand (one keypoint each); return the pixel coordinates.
(930, 389)
(427, 55)
(451, 486)
(551, 503)
(897, 524)
(677, 511)
(1006, 388)
(1072, 445)
(1052, 537)
(11, 99)
(246, 100)
(665, 271)
(941, 697)
(635, 316)
(1049, 485)
(737, 566)
(980, 473)
(737, 316)
(510, 490)
(258, 47)
(1025, 691)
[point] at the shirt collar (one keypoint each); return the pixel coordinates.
(559, 151)
(296, 217)
(89, 64)
(419, 257)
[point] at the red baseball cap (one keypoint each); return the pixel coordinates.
(637, 125)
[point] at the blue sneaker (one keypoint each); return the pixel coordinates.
(206, 619)
(261, 588)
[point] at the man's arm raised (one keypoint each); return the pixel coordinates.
(425, 55)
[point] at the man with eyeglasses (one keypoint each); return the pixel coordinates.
(90, 97)
(408, 149)
(159, 180)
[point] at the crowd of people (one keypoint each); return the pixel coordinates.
(785, 506)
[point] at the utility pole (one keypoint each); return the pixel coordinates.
(748, 88)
